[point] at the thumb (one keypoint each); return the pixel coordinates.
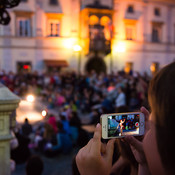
(109, 150)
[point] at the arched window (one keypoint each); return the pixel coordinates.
(107, 23)
(130, 9)
(105, 20)
(93, 20)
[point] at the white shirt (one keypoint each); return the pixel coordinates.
(120, 101)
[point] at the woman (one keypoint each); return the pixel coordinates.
(156, 153)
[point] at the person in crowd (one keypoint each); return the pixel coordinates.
(13, 145)
(60, 99)
(26, 128)
(75, 125)
(64, 143)
(65, 123)
(120, 100)
(155, 154)
(34, 166)
(48, 138)
(21, 153)
(52, 121)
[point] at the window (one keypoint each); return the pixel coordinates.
(23, 27)
(157, 12)
(54, 28)
(156, 32)
(53, 2)
(130, 32)
(130, 9)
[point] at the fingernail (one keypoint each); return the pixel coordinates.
(98, 125)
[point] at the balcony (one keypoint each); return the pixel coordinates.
(100, 45)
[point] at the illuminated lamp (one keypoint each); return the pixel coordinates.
(68, 43)
(77, 48)
(120, 47)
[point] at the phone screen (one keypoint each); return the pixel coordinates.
(121, 125)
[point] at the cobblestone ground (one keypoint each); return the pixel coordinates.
(59, 165)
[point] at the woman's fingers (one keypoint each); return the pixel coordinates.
(110, 150)
(145, 112)
(136, 144)
(96, 141)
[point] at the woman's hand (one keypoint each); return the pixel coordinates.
(96, 157)
(137, 146)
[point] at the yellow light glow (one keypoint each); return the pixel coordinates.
(120, 47)
(68, 43)
(127, 70)
(30, 98)
(152, 68)
(93, 20)
(105, 20)
(27, 109)
(44, 113)
(77, 48)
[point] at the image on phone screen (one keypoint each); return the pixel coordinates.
(121, 125)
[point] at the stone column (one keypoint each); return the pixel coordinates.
(8, 103)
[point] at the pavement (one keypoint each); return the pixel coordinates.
(59, 165)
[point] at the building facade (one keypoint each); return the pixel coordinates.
(105, 35)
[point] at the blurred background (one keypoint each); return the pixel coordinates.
(70, 61)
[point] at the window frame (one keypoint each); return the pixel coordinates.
(157, 12)
(28, 26)
(158, 28)
(54, 23)
(130, 36)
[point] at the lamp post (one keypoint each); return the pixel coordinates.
(77, 48)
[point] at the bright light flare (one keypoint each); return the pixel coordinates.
(77, 48)
(68, 43)
(44, 113)
(120, 47)
(30, 98)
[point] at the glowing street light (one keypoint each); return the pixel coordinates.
(120, 47)
(44, 113)
(78, 48)
(30, 98)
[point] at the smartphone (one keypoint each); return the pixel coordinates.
(119, 125)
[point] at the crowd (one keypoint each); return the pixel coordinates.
(153, 153)
(91, 94)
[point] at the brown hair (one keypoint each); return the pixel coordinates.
(161, 97)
